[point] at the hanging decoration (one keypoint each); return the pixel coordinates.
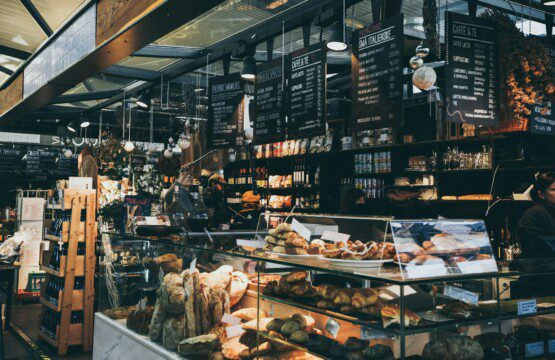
(111, 159)
(184, 141)
(525, 72)
(424, 78)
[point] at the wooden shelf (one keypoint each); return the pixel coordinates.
(76, 304)
(75, 335)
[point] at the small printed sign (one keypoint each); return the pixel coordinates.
(335, 236)
(193, 264)
(527, 307)
(465, 296)
(332, 327)
(533, 349)
(234, 331)
(230, 319)
(551, 346)
(300, 229)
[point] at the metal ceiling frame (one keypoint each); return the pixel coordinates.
(170, 51)
(37, 16)
(132, 73)
(5, 70)
(95, 95)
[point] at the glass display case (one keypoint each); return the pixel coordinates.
(337, 290)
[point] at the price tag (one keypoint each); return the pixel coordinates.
(426, 270)
(335, 236)
(465, 296)
(551, 346)
(258, 244)
(527, 307)
(234, 331)
(332, 327)
(193, 264)
(300, 229)
(230, 319)
(533, 349)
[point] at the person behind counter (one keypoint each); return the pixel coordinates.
(537, 224)
(214, 200)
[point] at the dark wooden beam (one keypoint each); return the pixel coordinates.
(132, 73)
(96, 95)
(5, 70)
(15, 53)
(173, 52)
(32, 10)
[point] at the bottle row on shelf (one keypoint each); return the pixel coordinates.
(371, 163)
(54, 285)
(61, 250)
(51, 320)
(371, 187)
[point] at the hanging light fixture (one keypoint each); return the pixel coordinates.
(548, 2)
(336, 39)
(143, 101)
(84, 122)
(71, 127)
(68, 153)
(128, 146)
(184, 141)
(249, 68)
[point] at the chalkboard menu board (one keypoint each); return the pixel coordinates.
(377, 83)
(307, 92)
(10, 160)
(41, 162)
(68, 167)
(225, 111)
(269, 124)
(542, 119)
(471, 70)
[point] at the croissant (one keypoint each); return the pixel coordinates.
(299, 289)
(326, 292)
(295, 276)
(343, 297)
(324, 304)
(363, 298)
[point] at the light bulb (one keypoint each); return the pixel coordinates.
(232, 157)
(366, 140)
(152, 148)
(129, 146)
(68, 153)
(168, 153)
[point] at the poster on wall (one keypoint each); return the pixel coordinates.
(225, 111)
(377, 75)
(306, 105)
(269, 122)
(471, 70)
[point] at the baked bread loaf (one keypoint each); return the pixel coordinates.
(238, 287)
(296, 242)
(295, 276)
(172, 295)
(364, 297)
(170, 263)
(295, 251)
(198, 345)
(139, 320)
(174, 331)
(157, 322)
(231, 348)
(251, 325)
(219, 278)
(190, 314)
(248, 314)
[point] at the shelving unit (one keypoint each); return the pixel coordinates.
(81, 229)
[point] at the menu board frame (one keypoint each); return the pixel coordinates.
(230, 99)
(463, 35)
(269, 117)
(386, 110)
(305, 124)
(45, 170)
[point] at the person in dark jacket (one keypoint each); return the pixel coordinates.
(539, 220)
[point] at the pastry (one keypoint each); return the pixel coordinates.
(363, 298)
(372, 310)
(224, 298)
(332, 253)
(343, 297)
(215, 305)
(298, 242)
(248, 314)
(173, 332)
(299, 336)
(252, 325)
(157, 322)
(296, 276)
(279, 249)
(295, 251)
(262, 349)
(249, 338)
(231, 348)
(324, 304)
(457, 310)
(273, 232)
(281, 243)
(237, 287)
(170, 263)
(198, 345)
(220, 331)
(299, 289)
(391, 314)
(355, 344)
(326, 292)
(284, 227)
(276, 345)
(198, 296)
(290, 326)
(270, 240)
(315, 248)
(346, 309)
(456, 347)
(304, 320)
(275, 325)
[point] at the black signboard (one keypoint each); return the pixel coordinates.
(269, 124)
(10, 160)
(225, 111)
(68, 167)
(307, 92)
(471, 70)
(542, 118)
(41, 162)
(377, 75)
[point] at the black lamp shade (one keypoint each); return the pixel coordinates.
(249, 68)
(71, 127)
(84, 122)
(336, 38)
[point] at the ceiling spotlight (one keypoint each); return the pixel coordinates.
(143, 101)
(336, 39)
(249, 68)
(548, 2)
(84, 122)
(71, 127)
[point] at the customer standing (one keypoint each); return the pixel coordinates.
(538, 223)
